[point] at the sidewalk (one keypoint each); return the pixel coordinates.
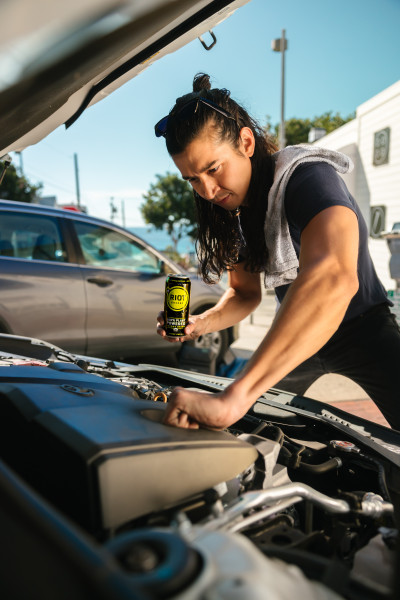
(335, 390)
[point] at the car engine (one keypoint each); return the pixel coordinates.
(296, 498)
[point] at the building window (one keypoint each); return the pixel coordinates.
(381, 147)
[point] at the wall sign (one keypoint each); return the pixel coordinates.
(381, 147)
(378, 221)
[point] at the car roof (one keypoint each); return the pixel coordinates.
(57, 58)
(60, 212)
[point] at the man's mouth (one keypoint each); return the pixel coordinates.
(222, 200)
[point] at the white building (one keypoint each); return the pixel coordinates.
(372, 140)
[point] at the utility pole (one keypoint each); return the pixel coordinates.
(21, 163)
(280, 45)
(78, 193)
(123, 213)
(113, 208)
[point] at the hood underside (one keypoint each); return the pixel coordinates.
(59, 58)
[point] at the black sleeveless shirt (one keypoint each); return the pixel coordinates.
(312, 188)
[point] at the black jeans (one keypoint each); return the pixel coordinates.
(367, 350)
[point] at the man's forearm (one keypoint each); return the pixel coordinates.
(232, 307)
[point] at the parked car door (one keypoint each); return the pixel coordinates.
(41, 293)
(124, 283)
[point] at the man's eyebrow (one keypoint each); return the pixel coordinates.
(201, 170)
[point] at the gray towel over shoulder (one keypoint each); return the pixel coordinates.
(282, 265)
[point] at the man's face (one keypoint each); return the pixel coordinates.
(218, 172)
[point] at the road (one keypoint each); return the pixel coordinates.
(333, 389)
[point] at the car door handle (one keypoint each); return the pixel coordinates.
(100, 280)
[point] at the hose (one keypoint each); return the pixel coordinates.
(325, 467)
(233, 516)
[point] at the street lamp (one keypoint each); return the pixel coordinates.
(78, 193)
(280, 45)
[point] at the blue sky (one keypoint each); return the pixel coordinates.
(340, 54)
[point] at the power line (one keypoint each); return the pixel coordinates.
(55, 149)
(48, 182)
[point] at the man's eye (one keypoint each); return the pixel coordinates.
(214, 169)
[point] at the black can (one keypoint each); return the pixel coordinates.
(176, 304)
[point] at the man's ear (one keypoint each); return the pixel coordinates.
(248, 141)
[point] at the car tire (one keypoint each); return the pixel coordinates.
(206, 354)
(218, 341)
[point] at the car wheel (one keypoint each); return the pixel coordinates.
(217, 341)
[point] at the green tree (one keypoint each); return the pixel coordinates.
(297, 130)
(169, 205)
(17, 187)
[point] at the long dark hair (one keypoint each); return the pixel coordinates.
(219, 238)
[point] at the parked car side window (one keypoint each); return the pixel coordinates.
(103, 247)
(33, 237)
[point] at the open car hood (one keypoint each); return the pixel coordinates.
(57, 58)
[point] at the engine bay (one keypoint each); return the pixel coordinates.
(295, 484)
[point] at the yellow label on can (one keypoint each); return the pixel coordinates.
(177, 298)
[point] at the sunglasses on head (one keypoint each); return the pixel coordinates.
(188, 109)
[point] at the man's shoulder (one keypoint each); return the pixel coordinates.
(314, 177)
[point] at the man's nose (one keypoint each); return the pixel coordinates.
(209, 189)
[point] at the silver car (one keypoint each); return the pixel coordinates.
(90, 286)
